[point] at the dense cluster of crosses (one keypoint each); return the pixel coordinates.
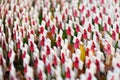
(59, 39)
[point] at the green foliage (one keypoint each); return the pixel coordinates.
(25, 40)
(100, 27)
(40, 17)
(64, 36)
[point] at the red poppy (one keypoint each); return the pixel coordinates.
(75, 13)
(76, 63)
(105, 27)
(93, 47)
(63, 58)
(32, 32)
(82, 9)
(41, 30)
(42, 42)
(24, 55)
(76, 44)
(53, 29)
(84, 34)
(109, 21)
(83, 20)
(49, 68)
(9, 53)
(87, 51)
(1, 60)
(113, 35)
(47, 50)
(77, 28)
(54, 60)
(18, 44)
(28, 35)
(102, 1)
(88, 63)
(33, 22)
(96, 20)
(9, 21)
(88, 13)
(66, 10)
(29, 78)
(56, 19)
(48, 23)
(104, 10)
(4, 45)
(60, 25)
(31, 46)
(59, 41)
(25, 69)
(97, 65)
(117, 28)
(44, 18)
(89, 76)
(40, 75)
(36, 62)
(97, 36)
(108, 49)
(100, 15)
(68, 31)
(44, 59)
(93, 9)
(115, 1)
(67, 73)
(118, 65)
(89, 28)
(90, 1)
(63, 16)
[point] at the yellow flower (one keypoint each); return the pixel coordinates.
(82, 55)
